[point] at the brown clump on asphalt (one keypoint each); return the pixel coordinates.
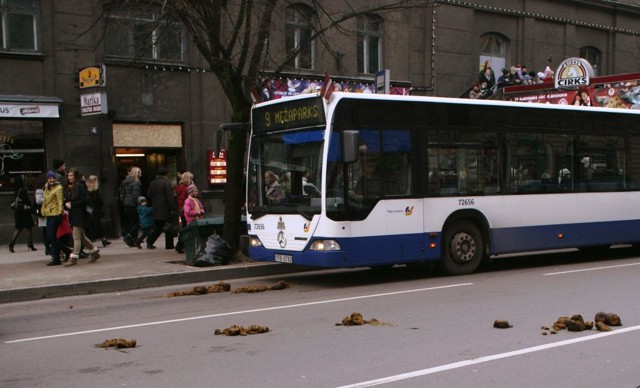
(118, 343)
(281, 285)
(502, 324)
(577, 323)
(609, 319)
(202, 290)
(239, 330)
(356, 319)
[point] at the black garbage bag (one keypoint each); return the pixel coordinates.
(216, 252)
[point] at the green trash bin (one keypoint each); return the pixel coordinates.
(194, 236)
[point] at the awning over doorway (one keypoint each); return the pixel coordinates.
(29, 107)
(147, 135)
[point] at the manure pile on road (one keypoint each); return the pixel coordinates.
(603, 322)
(225, 287)
(118, 343)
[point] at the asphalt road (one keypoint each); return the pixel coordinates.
(435, 331)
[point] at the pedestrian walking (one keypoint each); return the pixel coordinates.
(181, 192)
(130, 190)
(145, 214)
(23, 216)
(76, 203)
(60, 168)
(160, 195)
(52, 206)
(95, 204)
(40, 184)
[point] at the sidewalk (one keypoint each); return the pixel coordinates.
(25, 276)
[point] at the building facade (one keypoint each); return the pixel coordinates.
(154, 101)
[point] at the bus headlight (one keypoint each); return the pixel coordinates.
(254, 241)
(325, 245)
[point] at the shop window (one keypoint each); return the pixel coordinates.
(593, 56)
(369, 44)
(19, 25)
(145, 34)
(299, 23)
(21, 152)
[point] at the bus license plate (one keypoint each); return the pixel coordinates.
(284, 258)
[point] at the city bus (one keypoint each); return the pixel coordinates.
(369, 180)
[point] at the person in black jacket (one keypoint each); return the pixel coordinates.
(75, 202)
(165, 209)
(95, 203)
(23, 217)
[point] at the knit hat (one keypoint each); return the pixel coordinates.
(192, 189)
(51, 174)
(141, 199)
(57, 163)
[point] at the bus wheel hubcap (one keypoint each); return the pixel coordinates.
(464, 246)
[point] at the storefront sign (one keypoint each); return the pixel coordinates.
(93, 76)
(28, 111)
(217, 167)
(93, 103)
(573, 73)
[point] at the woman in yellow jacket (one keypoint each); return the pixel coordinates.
(52, 209)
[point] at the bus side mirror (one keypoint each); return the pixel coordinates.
(350, 146)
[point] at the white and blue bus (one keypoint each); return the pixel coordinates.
(364, 180)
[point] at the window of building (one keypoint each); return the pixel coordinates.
(21, 152)
(145, 35)
(594, 56)
(369, 44)
(299, 22)
(495, 49)
(19, 25)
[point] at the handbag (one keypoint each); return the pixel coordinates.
(64, 227)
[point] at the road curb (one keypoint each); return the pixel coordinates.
(148, 281)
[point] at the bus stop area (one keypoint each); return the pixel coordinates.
(25, 276)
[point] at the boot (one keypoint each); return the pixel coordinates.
(180, 247)
(105, 242)
(54, 262)
(73, 260)
(95, 254)
(31, 247)
(10, 247)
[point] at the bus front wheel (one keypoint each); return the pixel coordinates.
(463, 249)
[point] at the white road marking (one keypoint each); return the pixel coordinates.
(462, 364)
(591, 269)
(237, 313)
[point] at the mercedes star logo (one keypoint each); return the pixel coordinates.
(282, 241)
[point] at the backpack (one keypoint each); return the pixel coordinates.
(122, 192)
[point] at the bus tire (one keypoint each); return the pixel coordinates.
(463, 248)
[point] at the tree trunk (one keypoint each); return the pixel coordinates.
(234, 196)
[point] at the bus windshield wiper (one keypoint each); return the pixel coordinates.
(297, 208)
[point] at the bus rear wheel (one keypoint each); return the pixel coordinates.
(463, 249)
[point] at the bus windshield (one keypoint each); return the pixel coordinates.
(284, 172)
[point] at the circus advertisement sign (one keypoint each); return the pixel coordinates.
(573, 73)
(623, 94)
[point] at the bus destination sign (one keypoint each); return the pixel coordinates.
(308, 112)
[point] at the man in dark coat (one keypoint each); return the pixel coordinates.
(165, 208)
